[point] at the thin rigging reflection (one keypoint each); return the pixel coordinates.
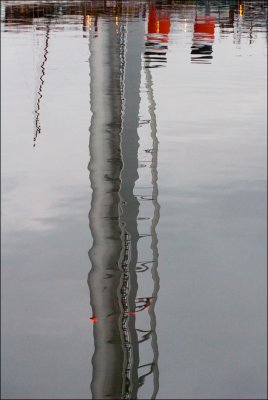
(40, 89)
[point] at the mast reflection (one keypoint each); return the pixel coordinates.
(115, 70)
(105, 168)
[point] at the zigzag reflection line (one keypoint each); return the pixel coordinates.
(40, 89)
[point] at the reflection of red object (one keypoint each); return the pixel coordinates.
(158, 23)
(152, 21)
(204, 27)
(93, 319)
(132, 312)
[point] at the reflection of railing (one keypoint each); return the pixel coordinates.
(254, 12)
(126, 243)
(142, 303)
(25, 13)
(148, 302)
(124, 318)
(134, 373)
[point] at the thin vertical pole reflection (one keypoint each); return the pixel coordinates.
(40, 89)
(155, 219)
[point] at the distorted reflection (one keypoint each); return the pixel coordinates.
(203, 38)
(127, 39)
(158, 30)
(105, 168)
(115, 71)
(239, 18)
(40, 88)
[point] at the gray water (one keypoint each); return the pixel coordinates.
(134, 199)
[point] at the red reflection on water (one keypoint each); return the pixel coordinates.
(158, 23)
(204, 28)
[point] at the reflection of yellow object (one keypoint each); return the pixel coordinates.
(241, 9)
(158, 24)
(89, 20)
(116, 20)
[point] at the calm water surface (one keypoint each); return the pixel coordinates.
(134, 199)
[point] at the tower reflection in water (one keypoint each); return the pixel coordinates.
(124, 319)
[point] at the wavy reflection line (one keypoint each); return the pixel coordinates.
(40, 89)
(121, 30)
(129, 176)
(155, 219)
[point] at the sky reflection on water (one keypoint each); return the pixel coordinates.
(162, 106)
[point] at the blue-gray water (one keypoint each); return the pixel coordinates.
(134, 199)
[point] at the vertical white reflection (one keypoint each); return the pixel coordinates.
(105, 167)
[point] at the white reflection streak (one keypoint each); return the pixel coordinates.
(104, 167)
